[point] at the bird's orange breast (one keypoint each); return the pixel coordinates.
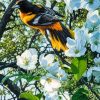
(25, 17)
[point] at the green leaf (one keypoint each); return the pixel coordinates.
(78, 67)
(80, 94)
(91, 1)
(37, 78)
(74, 66)
(28, 96)
(39, 95)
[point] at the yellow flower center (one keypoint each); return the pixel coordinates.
(76, 51)
(49, 65)
(59, 75)
(26, 61)
(49, 80)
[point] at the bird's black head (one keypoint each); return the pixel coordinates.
(21, 2)
(24, 5)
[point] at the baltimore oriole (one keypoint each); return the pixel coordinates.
(45, 20)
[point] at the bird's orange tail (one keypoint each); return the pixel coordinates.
(58, 34)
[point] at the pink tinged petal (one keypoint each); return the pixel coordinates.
(55, 84)
(48, 87)
(43, 80)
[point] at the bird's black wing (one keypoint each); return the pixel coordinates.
(43, 20)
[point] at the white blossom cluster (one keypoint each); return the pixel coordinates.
(55, 75)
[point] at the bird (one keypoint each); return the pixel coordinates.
(47, 21)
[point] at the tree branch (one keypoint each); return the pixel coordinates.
(1, 4)
(54, 3)
(6, 18)
(11, 65)
(13, 87)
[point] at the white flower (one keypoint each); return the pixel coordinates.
(46, 60)
(50, 83)
(93, 71)
(52, 96)
(97, 61)
(93, 20)
(53, 68)
(90, 5)
(77, 46)
(81, 34)
(65, 96)
(95, 41)
(61, 74)
(28, 59)
(47, 63)
(76, 49)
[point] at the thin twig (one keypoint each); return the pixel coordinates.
(70, 21)
(36, 83)
(33, 37)
(53, 5)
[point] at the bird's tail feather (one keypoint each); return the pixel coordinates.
(58, 37)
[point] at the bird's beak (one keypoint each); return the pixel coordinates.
(15, 6)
